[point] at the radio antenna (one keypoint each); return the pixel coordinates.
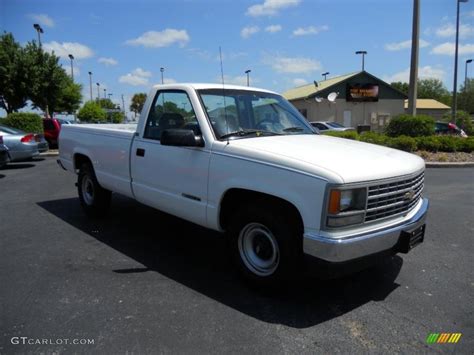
(223, 93)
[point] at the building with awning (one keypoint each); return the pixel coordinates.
(355, 99)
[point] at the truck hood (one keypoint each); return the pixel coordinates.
(335, 159)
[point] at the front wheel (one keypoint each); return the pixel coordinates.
(94, 199)
(266, 245)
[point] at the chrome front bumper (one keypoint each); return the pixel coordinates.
(360, 245)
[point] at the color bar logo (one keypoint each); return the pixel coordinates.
(442, 338)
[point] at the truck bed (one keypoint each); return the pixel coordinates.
(108, 148)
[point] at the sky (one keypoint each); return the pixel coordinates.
(285, 43)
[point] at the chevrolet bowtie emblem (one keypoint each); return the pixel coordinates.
(409, 195)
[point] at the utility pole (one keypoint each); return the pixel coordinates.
(90, 83)
(455, 84)
(412, 90)
(248, 76)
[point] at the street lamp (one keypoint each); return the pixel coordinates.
(105, 93)
(248, 76)
(455, 85)
(98, 92)
(363, 58)
(110, 95)
(162, 71)
(325, 75)
(72, 67)
(38, 29)
(465, 74)
(90, 83)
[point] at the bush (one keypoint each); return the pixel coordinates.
(412, 126)
(430, 144)
(28, 122)
(374, 138)
(466, 145)
(448, 143)
(92, 112)
(408, 144)
(343, 134)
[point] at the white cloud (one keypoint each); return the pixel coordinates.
(397, 46)
(138, 77)
(107, 61)
(270, 7)
(273, 28)
(42, 19)
(448, 48)
(449, 30)
(78, 50)
(293, 65)
(238, 80)
(310, 30)
(299, 82)
(423, 73)
(165, 38)
(248, 31)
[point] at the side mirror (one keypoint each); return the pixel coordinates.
(181, 138)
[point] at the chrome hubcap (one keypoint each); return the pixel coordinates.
(258, 249)
(88, 190)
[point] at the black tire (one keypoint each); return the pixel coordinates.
(250, 230)
(94, 199)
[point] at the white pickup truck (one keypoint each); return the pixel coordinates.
(243, 161)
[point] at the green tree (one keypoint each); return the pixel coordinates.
(92, 112)
(466, 97)
(14, 76)
(432, 89)
(107, 104)
(70, 97)
(138, 100)
(400, 86)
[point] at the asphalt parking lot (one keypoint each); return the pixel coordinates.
(142, 282)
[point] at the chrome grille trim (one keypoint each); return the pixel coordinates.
(390, 199)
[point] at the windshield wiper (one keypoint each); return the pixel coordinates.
(293, 129)
(248, 132)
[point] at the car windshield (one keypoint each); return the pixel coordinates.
(243, 113)
(334, 125)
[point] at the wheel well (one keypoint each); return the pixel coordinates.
(80, 159)
(234, 198)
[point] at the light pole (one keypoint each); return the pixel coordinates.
(248, 76)
(465, 74)
(72, 66)
(325, 75)
(38, 29)
(162, 71)
(90, 83)
(455, 84)
(413, 87)
(363, 58)
(98, 92)
(105, 93)
(110, 95)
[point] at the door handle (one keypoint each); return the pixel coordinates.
(140, 152)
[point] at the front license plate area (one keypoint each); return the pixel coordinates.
(409, 240)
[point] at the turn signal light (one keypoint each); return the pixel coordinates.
(334, 202)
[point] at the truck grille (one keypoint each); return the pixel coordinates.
(389, 199)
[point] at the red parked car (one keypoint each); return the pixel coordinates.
(52, 127)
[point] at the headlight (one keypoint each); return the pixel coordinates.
(346, 207)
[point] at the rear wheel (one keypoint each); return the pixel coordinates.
(94, 199)
(266, 245)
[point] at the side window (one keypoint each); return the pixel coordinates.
(320, 126)
(170, 110)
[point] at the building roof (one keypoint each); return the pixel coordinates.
(304, 91)
(429, 104)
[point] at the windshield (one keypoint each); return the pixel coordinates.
(242, 113)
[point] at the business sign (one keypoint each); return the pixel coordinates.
(362, 92)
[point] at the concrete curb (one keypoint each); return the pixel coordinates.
(438, 164)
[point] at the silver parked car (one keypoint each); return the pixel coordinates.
(21, 145)
(4, 158)
(327, 126)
